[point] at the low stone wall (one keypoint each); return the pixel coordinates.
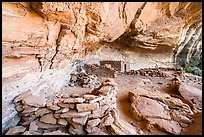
(154, 72)
(84, 114)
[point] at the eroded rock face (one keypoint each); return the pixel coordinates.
(40, 40)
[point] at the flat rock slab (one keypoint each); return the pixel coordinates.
(22, 96)
(65, 105)
(29, 110)
(74, 124)
(65, 110)
(27, 133)
(97, 99)
(29, 119)
(62, 121)
(76, 131)
(121, 127)
(144, 107)
(92, 123)
(80, 120)
(19, 108)
(105, 89)
(16, 130)
(74, 113)
(87, 107)
(53, 107)
(55, 133)
(74, 100)
(99, 112)
(89, 96)
(191, 94)
(42, 111)
(33, 127)
(94, 131)
(106, 121)
(109, 81)
(36, 101)
(48, 118)
(47, 126)
(170, 126)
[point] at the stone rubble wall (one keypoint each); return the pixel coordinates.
(84, 80)
(90, 113)
(100, 71)
(155, 72)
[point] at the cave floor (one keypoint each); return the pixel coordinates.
(128, 83)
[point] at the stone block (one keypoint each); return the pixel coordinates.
(92, 123)
(87, 107)
(74, 113)
(48, 118)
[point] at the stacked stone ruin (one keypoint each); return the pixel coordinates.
(90, 113)
(101, 71)
(84, 80)
(153, 72)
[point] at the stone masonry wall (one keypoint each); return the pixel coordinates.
(77, 114)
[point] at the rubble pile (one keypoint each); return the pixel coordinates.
(84, 80)
(90, 113)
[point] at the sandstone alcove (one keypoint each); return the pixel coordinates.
(101, 68)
